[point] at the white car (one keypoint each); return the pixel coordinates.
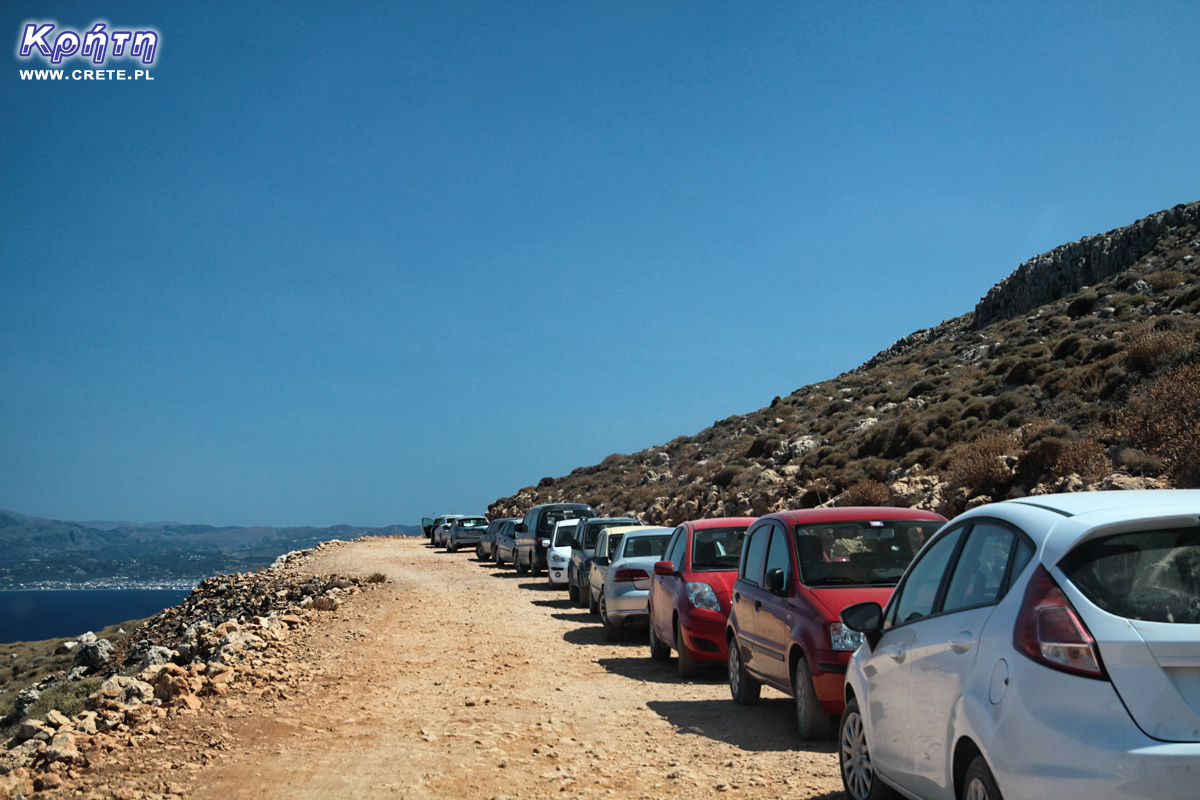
(558, 556)
(625, 594)
(1046, 647)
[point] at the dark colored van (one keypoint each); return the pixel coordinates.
(535, 530)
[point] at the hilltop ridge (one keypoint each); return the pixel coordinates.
(1080, 370)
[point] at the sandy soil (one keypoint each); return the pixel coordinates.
(461, 679)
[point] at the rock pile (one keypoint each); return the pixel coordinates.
(226, 634)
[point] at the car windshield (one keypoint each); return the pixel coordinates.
(473, 522)
(555, 515)
(715, 549)
(1148, 575)
(859, 552)
(562, 537)
(649, 546)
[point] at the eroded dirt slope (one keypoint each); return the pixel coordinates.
(460, 679)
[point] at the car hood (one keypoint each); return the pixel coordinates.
(835, 598)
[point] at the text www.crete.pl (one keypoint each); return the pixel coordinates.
(86, 75)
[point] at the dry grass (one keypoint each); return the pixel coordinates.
(980, 466)
(866, 493)
(1165, 420)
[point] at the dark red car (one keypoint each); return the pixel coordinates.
(691, 590)
(799, 569)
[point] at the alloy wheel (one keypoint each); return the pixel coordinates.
(857, 770)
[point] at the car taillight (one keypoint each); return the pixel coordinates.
(1050, 632)
(627, 575)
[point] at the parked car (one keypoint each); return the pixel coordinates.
(582, 546)
(626, 588)
(534, 531)
(691, 590)
(798, 570)
(602, 555)
(431, 524)
(486, 549)
(560, 552)
(438, 537)
(464, 531)
(1041, 647)
(506, 543)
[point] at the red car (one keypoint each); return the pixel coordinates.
(690, 593)
(799, 569)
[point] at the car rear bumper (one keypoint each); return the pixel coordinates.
(628, 606)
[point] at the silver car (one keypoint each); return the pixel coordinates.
(624, 600)
(464, 532)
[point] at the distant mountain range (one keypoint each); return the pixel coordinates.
(56, 554)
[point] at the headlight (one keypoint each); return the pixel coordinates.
(701, 595)
(555, 558)
(843, 638)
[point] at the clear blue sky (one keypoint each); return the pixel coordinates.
(367, 262)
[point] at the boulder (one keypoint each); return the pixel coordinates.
(94, 655)
(157, 656)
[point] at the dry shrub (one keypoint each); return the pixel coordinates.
(980, 466)
(1147, 346)
(375, 577)
(1165, 419)
(1085, 458)
(866, 493)
(1164, 280)
(726, 475)
(324, 603)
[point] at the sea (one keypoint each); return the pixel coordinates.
(28, 615)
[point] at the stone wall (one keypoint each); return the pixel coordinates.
(1064, 270)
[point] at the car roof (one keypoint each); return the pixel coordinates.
(633, 531)
(1059, 522)
(567, 523)
(818, 516)
(544, 506)
(607, 519)
(721, 522)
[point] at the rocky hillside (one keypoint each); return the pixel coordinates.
(1081, 370)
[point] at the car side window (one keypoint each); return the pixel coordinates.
(982, 570)
(756, 550)
(916, 597)
(675, 548)
(778, 556)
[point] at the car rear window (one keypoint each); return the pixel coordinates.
(1146, 575)
(646, 546)
(473, 522)
(555, 515)
(860, 552)
(716, 549)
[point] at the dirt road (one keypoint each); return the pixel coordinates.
(461, 679)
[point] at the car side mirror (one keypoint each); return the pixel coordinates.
(867, 619)
(520, 527)
(664, 568)
(775, 582)
(601, 560)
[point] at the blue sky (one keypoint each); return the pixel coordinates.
(367, 262)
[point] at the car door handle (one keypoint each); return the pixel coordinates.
(896, 651)
(736, 597)
(961, 642)
(758, 605)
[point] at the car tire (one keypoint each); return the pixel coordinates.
(742, 686)
(521, 568)
(451, 547)
(584, 591)
(496, 557)
(811, 720)
(479, 553)
(854, 759)
(592, 603)
(659, 651)
(535, 568)
(688, 668)
(979, 783)
(612, 632)
(572, 587)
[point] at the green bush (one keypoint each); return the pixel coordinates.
(726, 475)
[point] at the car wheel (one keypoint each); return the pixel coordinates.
(612, 633)
(688, 668)
(979, 784)
(811, 719)
(745, 689)
(521, 568)
(479, 553)
(585, 589)
(659, 651)
(535, 567)
(496, 557)
(451, 547)
(592, 603)
(572, 587)
(858, 771)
